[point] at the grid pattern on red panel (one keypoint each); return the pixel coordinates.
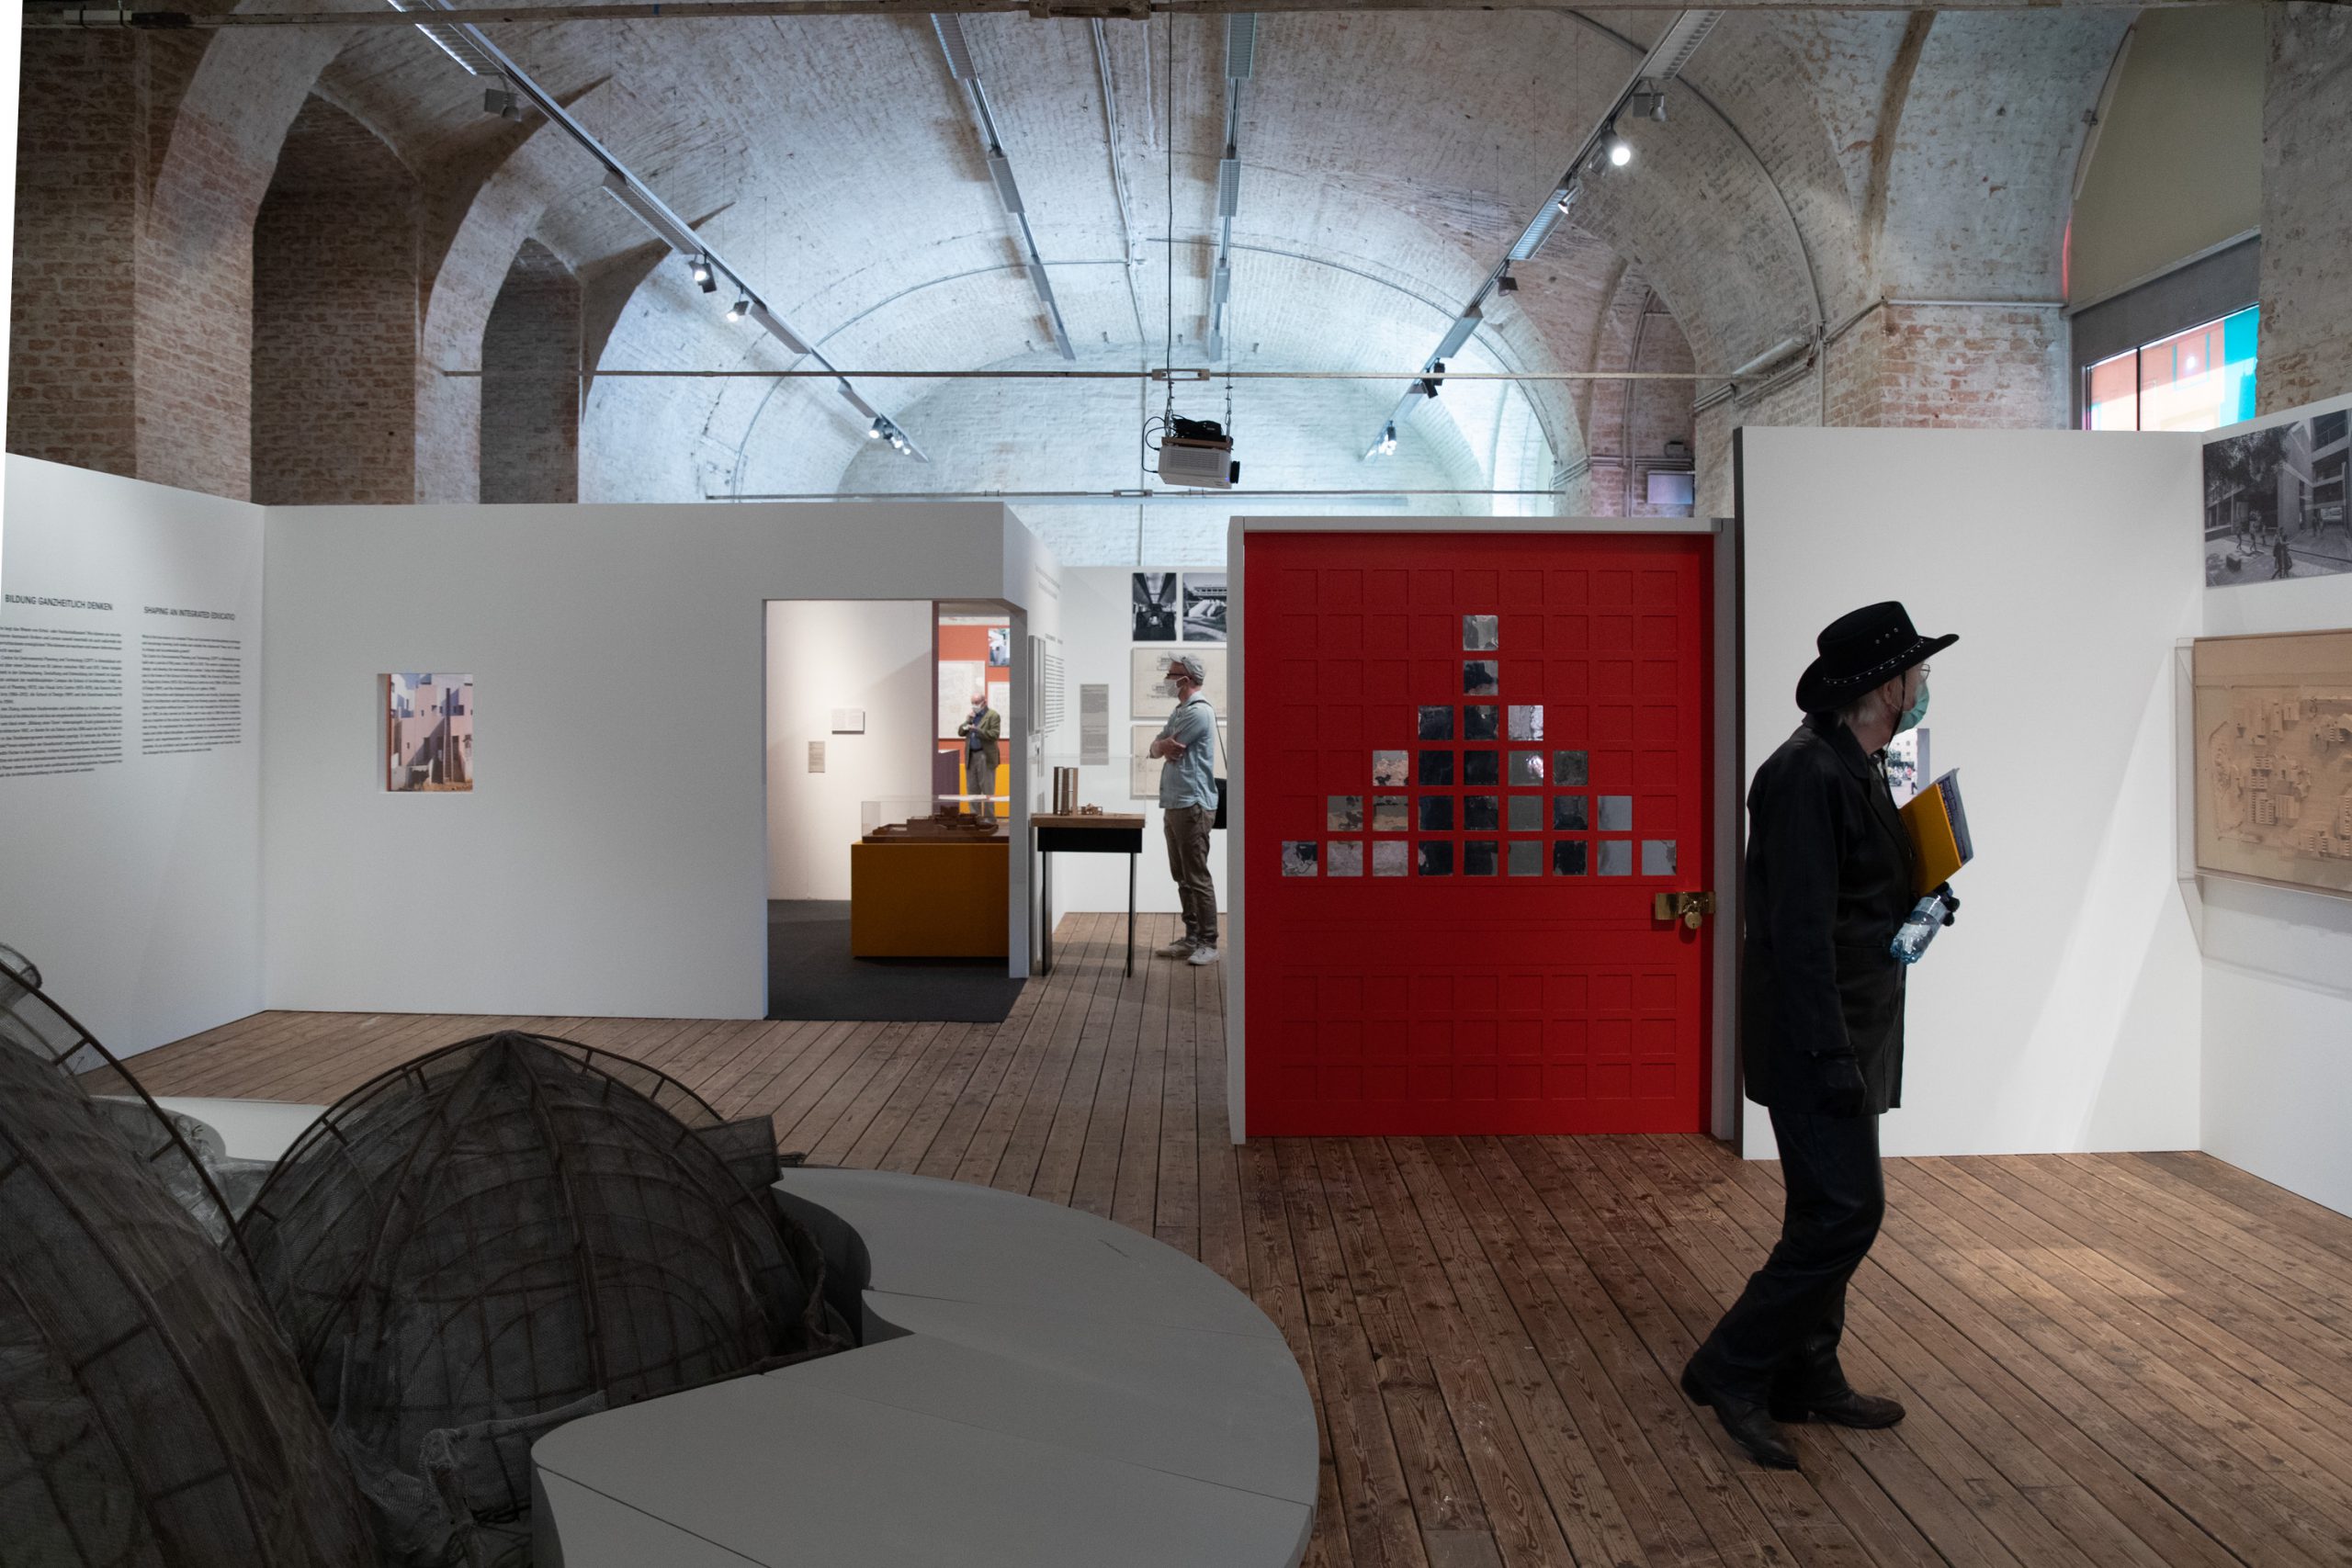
(1474, 760)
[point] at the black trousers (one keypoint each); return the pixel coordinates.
(1782, 1334)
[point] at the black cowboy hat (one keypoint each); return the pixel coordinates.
(1866, 649)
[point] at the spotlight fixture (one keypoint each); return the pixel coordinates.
(883, 430)
(1389, 440)
(1620, 151)
(874, 431)
(500, 99)
(1647, 104)
(738, 311)
(704, 279)
(1507, 284)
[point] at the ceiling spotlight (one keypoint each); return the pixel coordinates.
(874, 431)
(738, 311)
(1620, 151)
(1389, 440)
(1648, 104)
(501, 101)
(703, 280)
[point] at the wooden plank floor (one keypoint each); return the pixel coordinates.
(2132, 1359)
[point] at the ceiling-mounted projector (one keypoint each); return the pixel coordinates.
(1199, 453)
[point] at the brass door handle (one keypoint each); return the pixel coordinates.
(1690, 908)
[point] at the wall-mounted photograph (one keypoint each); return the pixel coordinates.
(1155, 606)
(1000, 646)
(428, 733)
(2275, 501)
(1205, 606)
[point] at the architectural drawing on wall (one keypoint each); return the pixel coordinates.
(1151, 696)
(428, 733)
(2274, 759)
(2276, 503)
(1205, 606)
(1143, 768)
(1154, 607)
(958, 679)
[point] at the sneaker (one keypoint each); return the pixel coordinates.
(1201, 955)
(1181, 948)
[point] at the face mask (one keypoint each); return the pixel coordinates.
(1917, 711)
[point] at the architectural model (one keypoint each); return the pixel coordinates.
(2274, 758)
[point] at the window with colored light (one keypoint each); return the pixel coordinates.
(2199, 379)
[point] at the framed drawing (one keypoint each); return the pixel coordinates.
(2273, 718)
(1149, 696)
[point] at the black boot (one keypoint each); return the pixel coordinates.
(1846, 1409)
(1749, 1423)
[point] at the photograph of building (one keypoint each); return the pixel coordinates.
(428, 733)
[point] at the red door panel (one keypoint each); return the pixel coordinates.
(1474, 759)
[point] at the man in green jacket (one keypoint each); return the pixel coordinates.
(981, 729)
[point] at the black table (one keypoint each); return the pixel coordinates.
(1085, 833)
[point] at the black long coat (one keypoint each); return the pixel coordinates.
(1830, 872)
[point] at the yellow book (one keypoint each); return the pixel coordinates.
(1939, 830)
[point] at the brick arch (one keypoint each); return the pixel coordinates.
(334, 318)
(193, 294)
(543, 168)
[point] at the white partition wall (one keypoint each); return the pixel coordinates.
(2278, 1006)
(130, 870)
(612, 856)
(2061, 1012)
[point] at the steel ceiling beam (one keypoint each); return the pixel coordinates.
(154, 18)
(1664, 61)
(632, 193)
(1241, 62)
(957, 49)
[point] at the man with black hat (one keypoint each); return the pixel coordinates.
(1828, 883)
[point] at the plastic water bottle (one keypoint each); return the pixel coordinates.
(1917, 932)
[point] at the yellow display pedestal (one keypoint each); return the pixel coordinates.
(916, 898)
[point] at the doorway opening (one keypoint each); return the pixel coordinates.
(888, 848)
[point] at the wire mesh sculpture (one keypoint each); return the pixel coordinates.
(149, 1411)
(507, 1233)
(184, 1154)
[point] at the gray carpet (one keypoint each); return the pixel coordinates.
(812, 976)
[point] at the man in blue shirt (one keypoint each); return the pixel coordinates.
(1186, 746)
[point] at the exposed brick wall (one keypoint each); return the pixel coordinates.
(335, 318)
(2306, 208)
(1632, 422)
(81, 176)
(530, 390)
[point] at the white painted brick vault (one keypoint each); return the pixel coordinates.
(1816, 164)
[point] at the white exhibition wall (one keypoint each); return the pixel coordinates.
(1097, 645)
(2061, 1012)
(612, 856)
(134, 885)
(2278, 1005)
(824, 655)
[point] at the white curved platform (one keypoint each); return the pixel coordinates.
(1060, 1391)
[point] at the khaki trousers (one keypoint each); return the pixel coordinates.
(1188, 861)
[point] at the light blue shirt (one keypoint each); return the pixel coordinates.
(1191, 779)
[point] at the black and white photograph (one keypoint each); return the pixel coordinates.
(1482, 721)
(1527, 721)
(1205, 606)
(1344, 857)
(1390, 858)
(1389, 816)
(2274, 502)
(1437, 724)
(1480, 678)
(1298, 857)
(1155, 606)
(1568, 767)
(1527, 768)
(1481, 634)
(1526, 813)
(1343, 813)
(1389, 768)
(1000, 646)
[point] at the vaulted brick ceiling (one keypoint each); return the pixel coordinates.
(1814, 163)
